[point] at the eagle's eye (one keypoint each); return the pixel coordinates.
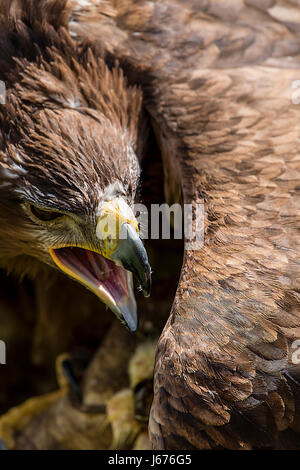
(43, 215)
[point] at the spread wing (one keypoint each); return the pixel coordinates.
(222, 92)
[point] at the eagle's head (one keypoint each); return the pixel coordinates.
(69, 168)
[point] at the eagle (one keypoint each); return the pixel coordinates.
(219, 82)
(69, 163)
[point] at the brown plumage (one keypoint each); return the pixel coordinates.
(72, 133)
(217, 82)
(66, 118)
(221, 100)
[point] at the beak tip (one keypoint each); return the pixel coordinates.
(128, 315)
(132, 326)
(132, 255)
(133, 329)
(147, 282)
(147, 290)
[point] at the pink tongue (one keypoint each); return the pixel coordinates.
(116, 283)
(97, 269)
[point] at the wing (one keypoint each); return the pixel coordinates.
(222, 92)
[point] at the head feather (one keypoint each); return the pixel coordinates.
(70, 122)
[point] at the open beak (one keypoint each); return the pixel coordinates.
(108, 271)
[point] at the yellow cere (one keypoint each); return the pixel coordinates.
(113, 214)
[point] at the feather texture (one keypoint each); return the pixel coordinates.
(221, 97)
(217, 81)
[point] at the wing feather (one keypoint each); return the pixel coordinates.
(220, 95)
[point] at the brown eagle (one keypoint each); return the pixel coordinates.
(69, 159)
(218, 80)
